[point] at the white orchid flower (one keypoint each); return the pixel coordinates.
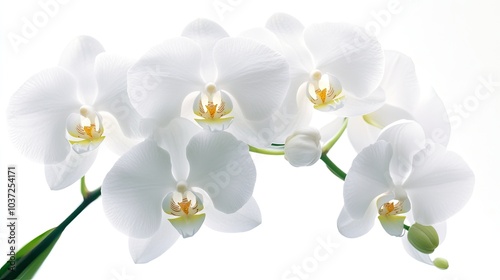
(238, 82)
(154, 194)
(61, 115)
(334, 67)
(403, 171)
(404, 100)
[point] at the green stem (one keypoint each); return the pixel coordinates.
(326, 148)
(266, 151)
(83, 188)
(332, 167)
(47, 241)
(406, 227)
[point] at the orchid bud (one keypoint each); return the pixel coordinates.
(302, 148)
(423, 238)
(441, 263)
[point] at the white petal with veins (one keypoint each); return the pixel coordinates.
(37, 114)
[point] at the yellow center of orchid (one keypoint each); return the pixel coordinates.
(208, 103)
(89, 126)
(185, 206)
(391, 208)
(85, 130)
(211, 109)
(213, 106)
(324, 91)
(180, 203)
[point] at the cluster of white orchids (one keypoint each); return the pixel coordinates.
(186, 116)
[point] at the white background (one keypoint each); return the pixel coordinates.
(453, 44)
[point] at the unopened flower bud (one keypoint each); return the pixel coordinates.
(423, 238)
(440, 263)
(302, 148)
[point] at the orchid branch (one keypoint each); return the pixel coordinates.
(332, 167)
(28, 262)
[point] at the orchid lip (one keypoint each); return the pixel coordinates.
(184, 207)
(213, 106)
(324, 91)
(390, 208)
(85, 130)
(182, 202)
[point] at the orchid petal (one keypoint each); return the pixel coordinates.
(386, 115)
(347, 52)
(264, 36)
(116, 140)
(290, 31)
(407, 138)
(78, 58)
(439, 185)
(148, 249)
(245, 219)
(111, 75)
(367, 178)
(37, 115)
(364, 130)
(221, 166)
(256, 133)
(433, 118)
(400, 81)
(133, 190)
(353, 106)
(361, 134)
(296, 66)
(163, 77)
(75, 166)
(256, 76)
(295, 112)
(206, 33)
(175, 138)
(353, 228)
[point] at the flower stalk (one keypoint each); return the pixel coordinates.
(333, 167)
(23, 263)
